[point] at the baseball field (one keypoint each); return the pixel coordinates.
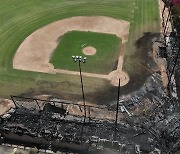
(30, 64)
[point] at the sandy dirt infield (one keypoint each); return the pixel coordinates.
(35, 51)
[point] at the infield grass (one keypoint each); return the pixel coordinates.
(72, 43)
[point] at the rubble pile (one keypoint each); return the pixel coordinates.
(47, 129)
(156, 131)
(164, 127)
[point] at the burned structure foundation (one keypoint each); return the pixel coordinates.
(47, 125)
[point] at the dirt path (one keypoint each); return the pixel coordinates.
(160, 61)
(161, 6)
(35, 51)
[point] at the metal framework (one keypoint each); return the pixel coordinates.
(171, 44)
(34, 104)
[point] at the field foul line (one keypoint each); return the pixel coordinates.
(83, 73)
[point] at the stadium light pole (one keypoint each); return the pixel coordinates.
(80, 60)
(117, 109)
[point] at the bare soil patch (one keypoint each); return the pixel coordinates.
(89, 51)
(5, 105)
(161, 6)
(35, 51)
(160, 61)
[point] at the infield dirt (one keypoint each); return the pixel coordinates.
(35, 52)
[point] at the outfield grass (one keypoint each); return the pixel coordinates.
(72, 43)
(19, 18)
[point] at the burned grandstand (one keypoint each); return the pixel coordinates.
(47, 125)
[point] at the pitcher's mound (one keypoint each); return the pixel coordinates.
(89, 50)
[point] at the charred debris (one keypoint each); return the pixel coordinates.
(47, 125)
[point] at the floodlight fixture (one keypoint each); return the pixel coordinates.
(79, 59)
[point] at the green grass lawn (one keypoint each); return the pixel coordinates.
(72, 43)
(20, 18)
